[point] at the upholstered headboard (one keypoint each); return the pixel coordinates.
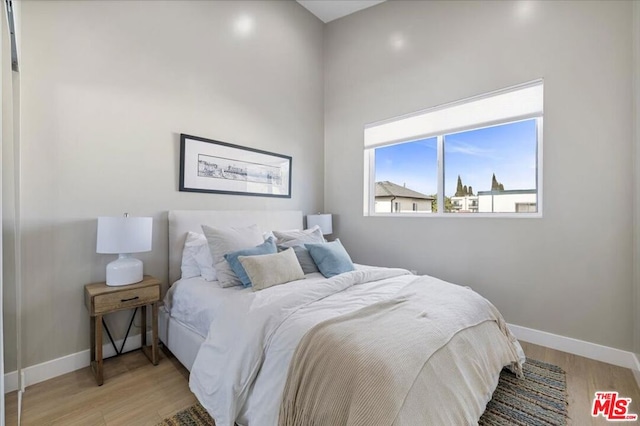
(183, 221)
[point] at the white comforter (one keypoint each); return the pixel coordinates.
(240, 371)
(194, 301)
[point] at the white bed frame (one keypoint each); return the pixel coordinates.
(179, 339)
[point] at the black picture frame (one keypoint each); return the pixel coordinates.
(211, 166)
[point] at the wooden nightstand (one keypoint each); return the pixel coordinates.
(102, 299)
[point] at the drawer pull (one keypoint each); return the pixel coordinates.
(130, 299)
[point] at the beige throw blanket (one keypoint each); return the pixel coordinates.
(358, 369)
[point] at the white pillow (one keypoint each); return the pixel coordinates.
(298, 238)
(196, 258)
(271, 269)
(225, 240)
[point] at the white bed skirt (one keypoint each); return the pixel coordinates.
(183, 342)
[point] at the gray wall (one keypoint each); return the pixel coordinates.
(568, 273)
(107, 87)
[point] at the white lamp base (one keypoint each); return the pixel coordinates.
(124, 270)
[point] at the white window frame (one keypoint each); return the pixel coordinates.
(370, 161)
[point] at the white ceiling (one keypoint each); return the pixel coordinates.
(328, 10)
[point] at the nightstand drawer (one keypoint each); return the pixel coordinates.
(125, 299)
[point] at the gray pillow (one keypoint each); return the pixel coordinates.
(298, 238)
(304, 259)
(226, 240)
(271, 269)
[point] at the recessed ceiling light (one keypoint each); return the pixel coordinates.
(397, 41)
(524, 9)
(244, 25)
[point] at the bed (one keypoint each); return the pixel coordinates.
(179, 337)
(349, 349)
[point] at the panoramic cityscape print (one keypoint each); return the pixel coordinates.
(227, 168)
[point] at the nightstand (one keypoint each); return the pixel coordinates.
(102, 299)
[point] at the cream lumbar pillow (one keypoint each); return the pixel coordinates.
(272, 269)
(226, 240)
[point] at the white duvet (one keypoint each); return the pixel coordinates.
(240, 371)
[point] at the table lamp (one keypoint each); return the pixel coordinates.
(324, 221)
(122, 236)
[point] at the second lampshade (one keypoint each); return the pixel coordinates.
(324, 221)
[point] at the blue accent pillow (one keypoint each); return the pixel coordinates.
(331, 258)
(268, 247)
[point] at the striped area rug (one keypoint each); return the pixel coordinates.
(538, 399)
(195, 415)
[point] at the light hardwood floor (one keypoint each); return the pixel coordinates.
(134, 393)
(137, 393)
(584, 378)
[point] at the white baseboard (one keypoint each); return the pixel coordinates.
(577, 347)
(66, 364)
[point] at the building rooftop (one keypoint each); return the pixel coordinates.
(390, 189)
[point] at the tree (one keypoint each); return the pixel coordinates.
(459, 188)
(465, 190)
(494, 183)
(470, 190)
(448, 205)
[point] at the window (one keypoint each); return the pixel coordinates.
(404, 172)
(493, 169)
(480, 155)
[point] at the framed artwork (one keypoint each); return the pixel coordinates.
(212, 166)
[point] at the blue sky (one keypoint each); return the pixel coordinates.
(508, 150)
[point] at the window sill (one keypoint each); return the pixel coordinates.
(459, 215)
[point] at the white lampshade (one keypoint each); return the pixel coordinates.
(324, 221)
(123, 236)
